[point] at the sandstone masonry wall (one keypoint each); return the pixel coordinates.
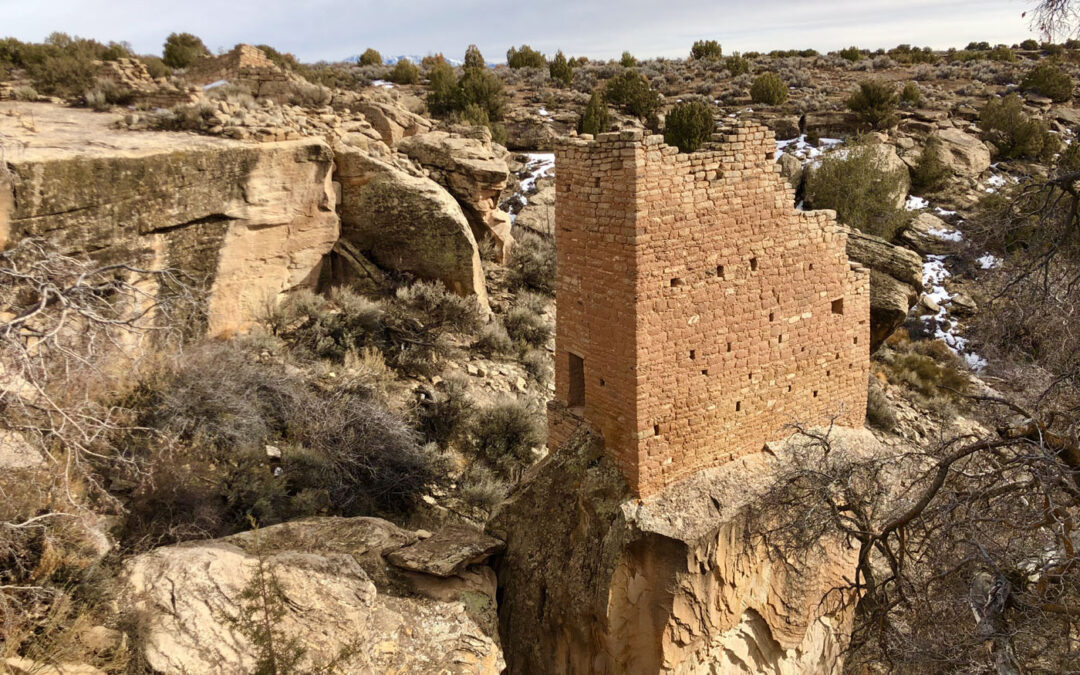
(707, 312)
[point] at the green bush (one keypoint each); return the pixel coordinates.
(482, 88)
(706, 50)
(689, 125)
(155, 67)
(1013, 133)
(851, 53)
(1029, 44)
(493, 339)
(370, 57)
(182, 50)
(504, 436)
(476, 116)
(910, 95)
(631, 91)
(116, 51)
(525, 57)
(61, 66)
(930, 172)
(405, 72)
(1001, 53)
(532, 263)
(282, 60)
(737, 65)
(875, 103)
(595, 119)
(473, 58)
(442, 89)
(1047, 79)
(560, 69)
(851, 183)
(769, 88)
(627, 60)
(978, 46)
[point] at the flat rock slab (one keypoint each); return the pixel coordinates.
(446, 553)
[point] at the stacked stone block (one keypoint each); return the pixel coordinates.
(701, 312)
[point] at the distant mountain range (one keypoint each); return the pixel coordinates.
(414, 58)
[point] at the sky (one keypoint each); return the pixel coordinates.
(334, 29)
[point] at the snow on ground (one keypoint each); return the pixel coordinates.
(945, 235)
(997, 181)
(543, 112)
(934, 275)
(382, 83)
(215, 85)
(803, 151)
(538, 165)
(914, 203)
(944, 213)
(989, 261)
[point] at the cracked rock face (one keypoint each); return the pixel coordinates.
(470, 170)
(596, 582)
(334, 592)
(245, 223)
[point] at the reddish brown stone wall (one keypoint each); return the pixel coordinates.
(709, 312)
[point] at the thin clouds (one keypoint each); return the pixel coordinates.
(334, 29)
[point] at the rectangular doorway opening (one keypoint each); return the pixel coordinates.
(576, 393)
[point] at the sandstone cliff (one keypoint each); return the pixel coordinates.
(595, 582)
(245, 222)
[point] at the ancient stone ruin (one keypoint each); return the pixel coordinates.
(699, 313)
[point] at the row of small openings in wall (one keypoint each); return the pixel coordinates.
(717, 272)
(739, 407)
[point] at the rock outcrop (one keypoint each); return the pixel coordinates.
(246, 222)
(928, 234)
(595, 582)
(471, 171)
(330, 588)
(964, 154)
(391, 121)
(895, 281)
(407, 223)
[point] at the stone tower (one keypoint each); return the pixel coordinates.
(699, 313)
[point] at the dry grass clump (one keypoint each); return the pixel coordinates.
(928, 368)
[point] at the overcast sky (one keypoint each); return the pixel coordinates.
(334, 29)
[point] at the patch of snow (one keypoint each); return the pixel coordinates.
(382, 83)
(543, 112)
(538, 165)
(803, 151)
(988, 261)
(934, 275)
(914, 203)
(944, 213)
(945, 235)
(215, 85)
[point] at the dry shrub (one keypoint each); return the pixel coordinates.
(504, 436)
(927, 367)
(532, 263)
(200, 448)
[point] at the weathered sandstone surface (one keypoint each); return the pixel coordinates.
(594, 581)
(468, 167)
(334, 586)
(408, 223)
(895, 281)
(246, 222)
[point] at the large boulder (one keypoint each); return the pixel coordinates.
(391, 121)
(408, 223)
(332, 595)
(928, 234)
(595, 581)
(965, 155)
(895, 281)
(246, 222)
(887, 161)
(830, 123)
(468, 167)
(538, 214)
